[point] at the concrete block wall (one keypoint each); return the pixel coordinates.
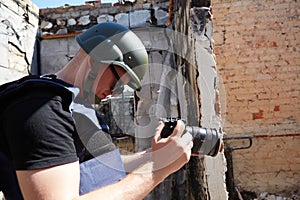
(70, 19)
(257, 49)
(60, 25)
(18, 28)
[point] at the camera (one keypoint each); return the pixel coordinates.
(206, 141)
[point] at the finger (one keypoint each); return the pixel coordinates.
(187, 139)
(188, 152)
(179, 129)
(191, 144)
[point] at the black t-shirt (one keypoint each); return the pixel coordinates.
(38, 129)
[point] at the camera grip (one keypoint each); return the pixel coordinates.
(168, 129)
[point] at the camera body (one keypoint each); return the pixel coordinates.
(206, 141)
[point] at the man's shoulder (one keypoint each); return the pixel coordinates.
(34, 85)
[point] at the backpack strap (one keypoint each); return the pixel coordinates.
(10, 90)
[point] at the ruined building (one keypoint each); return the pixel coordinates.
(226, 64)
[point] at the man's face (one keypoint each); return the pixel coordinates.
(110, 84)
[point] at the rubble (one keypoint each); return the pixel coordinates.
(271, 196)
(268, 196)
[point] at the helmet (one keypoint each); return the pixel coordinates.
(113, 43)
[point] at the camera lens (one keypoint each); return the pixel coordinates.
(206, 140)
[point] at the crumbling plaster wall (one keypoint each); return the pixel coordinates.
(18, 28)
(257, 49)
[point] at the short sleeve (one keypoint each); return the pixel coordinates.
(38, 130)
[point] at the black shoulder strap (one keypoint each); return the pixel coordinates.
(11, 89)
(33, 78)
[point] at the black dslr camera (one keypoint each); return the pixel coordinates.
(206, 141)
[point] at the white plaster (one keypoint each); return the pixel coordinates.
(3, 49)
(62, 31)
(104, 18)
(61, 21)
(138, 18)
(84, 20)
(71, 22)
(214, 167)
(46, 25)
(7, 75)
(161, 16)
(123, 19)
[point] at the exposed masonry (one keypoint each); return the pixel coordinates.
(74, 19)
(257, 48)
(68, 21)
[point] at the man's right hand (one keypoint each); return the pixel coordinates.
(171, 153)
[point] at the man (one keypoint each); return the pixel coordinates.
(50, 134)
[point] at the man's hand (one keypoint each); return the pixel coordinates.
(171, 153)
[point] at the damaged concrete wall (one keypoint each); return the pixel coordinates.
(18, 28)
(183, 65)
(60, 25)
(257, 48)
(199, 61)
(208, 85)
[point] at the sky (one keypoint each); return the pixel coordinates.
(58, 3)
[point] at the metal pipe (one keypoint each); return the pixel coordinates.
(231, 188)
(277, 135)
(229, 173)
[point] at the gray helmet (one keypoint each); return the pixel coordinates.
(113, 43)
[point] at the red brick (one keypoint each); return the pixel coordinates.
(277, 108)
(257, 116)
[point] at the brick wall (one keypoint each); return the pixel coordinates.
(257, 49)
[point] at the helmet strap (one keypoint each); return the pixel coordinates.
(89, 82)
